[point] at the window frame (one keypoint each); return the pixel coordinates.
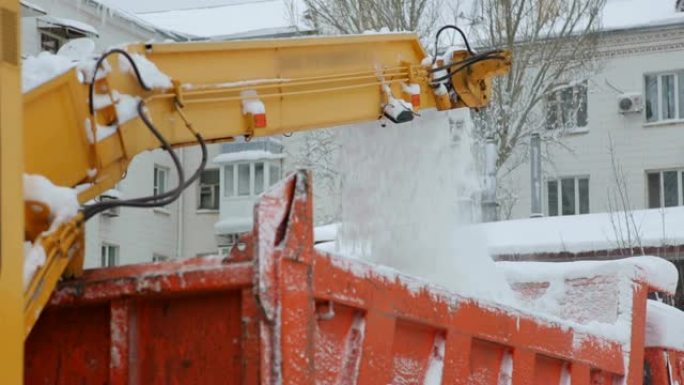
(678, 111)
(554, 100)
(105, 254)
(155, 180)
(60, 34)
(215, 191)
(679, 172)
(156, 257)
(44, 35)
(268, 166)
(559, 195)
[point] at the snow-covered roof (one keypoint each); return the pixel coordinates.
(570, 234)
(226, 20)
(583, 233)
(29, 9)
(627, 14)
(67, 23)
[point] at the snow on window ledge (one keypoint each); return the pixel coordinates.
(162, 210)
(207, 211)
(660, 123)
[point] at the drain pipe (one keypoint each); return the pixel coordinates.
(536, 176)
(489, 204)
(179, 214)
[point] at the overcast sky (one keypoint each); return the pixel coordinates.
(144, 6)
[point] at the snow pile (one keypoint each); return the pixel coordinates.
(126, 107)
(410, 88)
(62, 201)
(39, 69)
(583, 233)
(251, 103)
(657, 272)
(595, 296)
(78, 49)
(101, 132)
(664, 326)
(401, 189)
(63, 204)
(151, 75)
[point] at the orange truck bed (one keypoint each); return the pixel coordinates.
(276, 311)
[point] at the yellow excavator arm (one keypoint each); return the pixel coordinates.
(80, 132)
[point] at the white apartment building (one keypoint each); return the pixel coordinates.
(630, 113)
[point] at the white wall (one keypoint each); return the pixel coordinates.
(197, 226)
(638, 146)
(140, 233)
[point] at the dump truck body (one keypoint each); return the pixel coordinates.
(278, 311)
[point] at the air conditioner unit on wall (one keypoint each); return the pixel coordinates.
(629, 103)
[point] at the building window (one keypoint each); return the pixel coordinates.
(243, 180)
(55, 32)
(665, 188)
(161, 180)
(50, 43)
(664, 96)
(109, 255)
(159, 258)
(250, 179)
(274, 174)
(567, 196)
(209, 190)
(228, 240)
(258, 178)
(566, 108)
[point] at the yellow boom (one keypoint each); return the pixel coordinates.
(220, 91)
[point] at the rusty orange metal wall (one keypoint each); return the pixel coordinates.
(187, 322)
(279, 312)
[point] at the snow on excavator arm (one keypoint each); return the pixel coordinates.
(147, 96)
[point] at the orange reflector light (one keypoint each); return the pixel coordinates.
(259, 120)
(415, 100)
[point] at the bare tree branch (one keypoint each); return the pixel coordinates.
(553, 42)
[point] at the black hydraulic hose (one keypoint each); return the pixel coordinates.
(98, 65)
(96, 208)
(157, 200)
(478, 56)
(464, 66)
(460, 31)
